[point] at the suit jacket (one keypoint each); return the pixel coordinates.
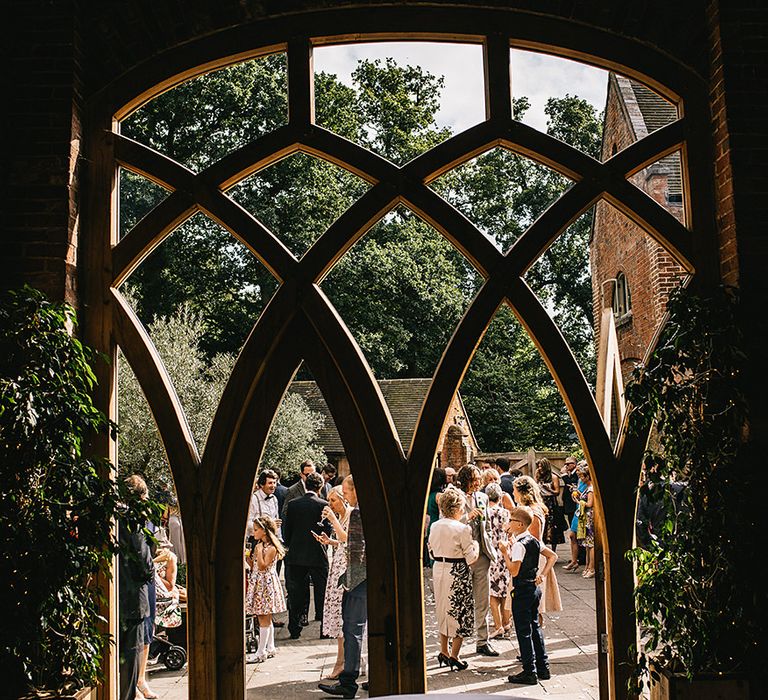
(481, 527)
(301, 517)
(292, 493)
(280, 492)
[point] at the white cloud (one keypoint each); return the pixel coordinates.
(537, 76)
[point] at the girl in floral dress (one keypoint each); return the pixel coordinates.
(337, 512)
(265, 594)
(500, 580)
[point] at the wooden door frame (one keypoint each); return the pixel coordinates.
(300, 323)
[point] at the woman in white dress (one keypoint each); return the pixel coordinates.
(337, 512)
(453, 550)
(526, 493)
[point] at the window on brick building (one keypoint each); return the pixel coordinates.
(622, 298)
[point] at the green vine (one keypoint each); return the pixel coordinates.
(694, 594)
(57, 506)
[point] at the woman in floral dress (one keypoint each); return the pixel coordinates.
(499, 576)
(337, 512)
(453, 550)
(265, 594)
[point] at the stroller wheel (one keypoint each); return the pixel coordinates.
(175, 658)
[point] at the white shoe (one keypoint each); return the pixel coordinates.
(271, 653)
(251, 658)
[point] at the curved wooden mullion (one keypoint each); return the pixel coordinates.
(171, 421)
(455, 151)
(263, 346)
(148, 233)
(260, 153)
(152, 164)
(351, 156)
(343, 233)
(247, 229)
(456, 227)
(527, 249)
(657, 221)
(569, 378)
(549, 151)
(353, 366)
(647, 150)
(446, 382)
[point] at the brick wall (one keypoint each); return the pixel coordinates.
(620, 246)
(40, 180)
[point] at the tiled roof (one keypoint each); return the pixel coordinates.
(657, 112)
(404, 398)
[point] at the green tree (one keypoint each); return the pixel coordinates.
(403, 287)
(199, 383)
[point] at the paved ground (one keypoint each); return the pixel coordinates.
(570, 637)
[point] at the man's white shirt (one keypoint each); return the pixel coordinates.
(261, 504)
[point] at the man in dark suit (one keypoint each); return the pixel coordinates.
(306, 557)
(329, 474)
(280, 492)
(299, 488)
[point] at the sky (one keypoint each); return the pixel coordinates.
(537, 76)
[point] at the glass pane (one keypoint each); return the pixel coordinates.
(299, 197)
(399, 99)
(138, 196)
(200, 121)
(663, 182)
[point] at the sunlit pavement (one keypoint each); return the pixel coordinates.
(301, 664)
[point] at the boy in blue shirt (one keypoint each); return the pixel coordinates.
(522, 560)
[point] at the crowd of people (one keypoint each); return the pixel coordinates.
(490, 538)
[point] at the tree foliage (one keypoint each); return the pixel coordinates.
(199, 382)
(402, 288)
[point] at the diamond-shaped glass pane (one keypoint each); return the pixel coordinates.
(138, 196)
(501, 192)
(399, 99)
(200, 121)
(299, 197)
(663, 182)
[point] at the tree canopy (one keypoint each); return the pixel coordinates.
(402, 288)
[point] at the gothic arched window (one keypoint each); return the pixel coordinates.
(622, 298)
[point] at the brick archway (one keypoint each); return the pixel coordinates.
(213, 487)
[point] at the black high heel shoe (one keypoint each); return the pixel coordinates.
(443, 659)
(458, 665)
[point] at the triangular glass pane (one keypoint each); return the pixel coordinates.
(401, 290)
(399, 99)
(299, 197)
(199, 294)
(138, 195)
(501, 192)
(632, 112)
(663, 182)
(562, 281)
(632, 278)
(200, 121)
(560, 97)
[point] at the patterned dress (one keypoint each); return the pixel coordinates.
(265, 594)
(334, 592)
(552, 532)
(500, 580)
(454, 603)
(589, 514)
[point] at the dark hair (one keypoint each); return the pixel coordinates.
(439, 480)
(514, 473)
(265, 475)
(329, 469)
(465, 476)
(543, 470)
(502, 462)
(306, 463)
(314, 481)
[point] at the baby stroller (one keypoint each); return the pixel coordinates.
(170, 643)
(251, 634)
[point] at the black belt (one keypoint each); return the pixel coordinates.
(450, 560)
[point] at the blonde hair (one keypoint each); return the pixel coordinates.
(489, 476)
(270, 530)
(529, 491)
(450, 501)
(522, 513)
(339, 492)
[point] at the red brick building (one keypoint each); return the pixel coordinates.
(631, 273)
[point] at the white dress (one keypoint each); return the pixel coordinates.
(454, 604)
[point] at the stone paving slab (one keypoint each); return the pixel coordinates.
(301, 664)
